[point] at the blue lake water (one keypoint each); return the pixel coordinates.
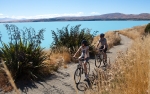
(101, 26)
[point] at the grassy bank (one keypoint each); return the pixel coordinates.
(133, 33)
(130, 73)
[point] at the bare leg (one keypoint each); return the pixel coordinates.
(85, 69)
(105, 57)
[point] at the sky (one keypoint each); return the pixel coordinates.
(34, 9)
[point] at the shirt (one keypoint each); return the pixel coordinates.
(84, 51)
(103, 42)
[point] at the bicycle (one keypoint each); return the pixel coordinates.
(80, 70)
(99, 58)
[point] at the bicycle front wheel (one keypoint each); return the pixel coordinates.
(97, 61)
(77, 75)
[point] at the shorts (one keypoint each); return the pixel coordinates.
(82, 59)
(104, 49)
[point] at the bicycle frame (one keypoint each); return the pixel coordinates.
(101, 53)
(80, 70)
(99, 57)
(81, 66)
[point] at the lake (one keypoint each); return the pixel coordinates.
(101, 26)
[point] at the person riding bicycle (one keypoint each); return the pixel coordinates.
(84, 48)
(103, 42)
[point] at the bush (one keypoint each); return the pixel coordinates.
(71, 38)
(23, 55)
(147, 29)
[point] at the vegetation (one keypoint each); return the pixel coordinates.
(147, 29)
(60, 57)
(71, 38)
(133, 73)
(133, 33)
(23, 55)
(129, 74)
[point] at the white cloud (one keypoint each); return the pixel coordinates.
(47, 15)
(1, 14)
(57, 15)
(94, 13)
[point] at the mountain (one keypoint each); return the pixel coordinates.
(6, 19)
(110, 16)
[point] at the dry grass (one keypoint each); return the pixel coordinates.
(6, 81)
(134, 32)
(130, 74)
(134, 68)
(10, 78)
(112, 37)
(59, 57)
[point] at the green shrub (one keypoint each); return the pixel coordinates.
(72, 38)
(23, 55)
(147, 29)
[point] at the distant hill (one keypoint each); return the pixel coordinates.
(110, 16)
(6, 19)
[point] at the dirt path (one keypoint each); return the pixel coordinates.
(124, 45)
(62, 82)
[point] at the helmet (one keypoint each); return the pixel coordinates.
(102, 35)
(84, 42)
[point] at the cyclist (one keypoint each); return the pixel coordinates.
(84, 48)
(103, 42)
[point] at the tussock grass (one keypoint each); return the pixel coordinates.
(59, 57)
(133, 33)
(134, 68)
(130, 74)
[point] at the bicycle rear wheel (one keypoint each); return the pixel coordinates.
(98, 61)
(77, 75)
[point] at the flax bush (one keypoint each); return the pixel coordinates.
(23, 55)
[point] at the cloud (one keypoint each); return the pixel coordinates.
(1, 14)
(94, 13)
(57, 15)
(47, 15)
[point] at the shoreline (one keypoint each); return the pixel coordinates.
(76, 20)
